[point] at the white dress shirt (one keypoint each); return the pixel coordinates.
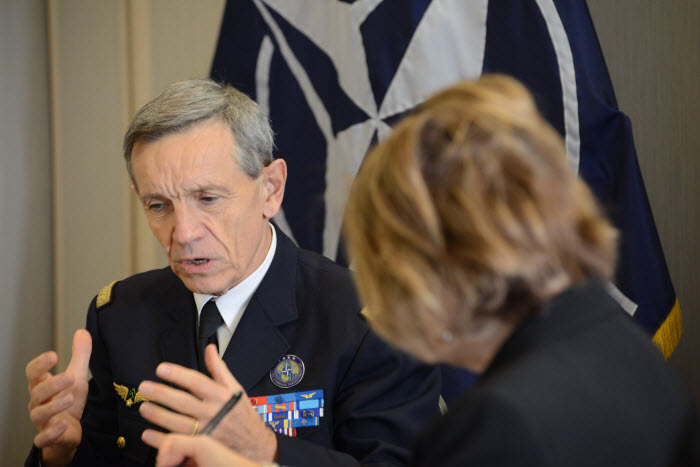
(233, 303)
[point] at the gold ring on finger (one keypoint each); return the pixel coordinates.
(196, 427)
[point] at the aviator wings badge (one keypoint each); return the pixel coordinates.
(130, 396)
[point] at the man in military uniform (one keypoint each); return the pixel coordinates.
(321, 389)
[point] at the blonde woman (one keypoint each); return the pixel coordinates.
(475, 244)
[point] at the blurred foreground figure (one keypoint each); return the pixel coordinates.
(475, 244)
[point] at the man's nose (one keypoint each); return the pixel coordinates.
(188, 225)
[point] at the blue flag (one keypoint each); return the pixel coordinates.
(333, 76)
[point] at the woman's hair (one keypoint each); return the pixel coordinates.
(470, 209)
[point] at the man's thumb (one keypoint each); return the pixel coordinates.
(80, 358)
(217, 368)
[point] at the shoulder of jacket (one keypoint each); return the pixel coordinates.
(106, 295)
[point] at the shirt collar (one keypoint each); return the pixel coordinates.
(232, 304)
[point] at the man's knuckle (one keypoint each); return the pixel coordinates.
(46, 438)
(34, 417)
(37, 397)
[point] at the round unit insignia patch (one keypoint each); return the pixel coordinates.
(288, 372)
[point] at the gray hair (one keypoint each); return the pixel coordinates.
(186, 103)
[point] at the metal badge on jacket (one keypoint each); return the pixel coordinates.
(288, 372)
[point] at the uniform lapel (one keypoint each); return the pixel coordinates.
(179, 337)
(258, 344)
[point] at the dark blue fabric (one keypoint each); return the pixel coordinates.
(518, 44)
(234, 63)
(454, 382)
(300, 143)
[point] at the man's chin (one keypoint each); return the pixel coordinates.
(204, 287)
(207, 282)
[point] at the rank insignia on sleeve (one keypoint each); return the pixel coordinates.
(288, 372)
(130, 396)
(104, 297)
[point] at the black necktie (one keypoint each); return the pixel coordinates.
(209, 322)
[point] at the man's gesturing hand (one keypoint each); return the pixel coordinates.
(242, 429)
(56, 402)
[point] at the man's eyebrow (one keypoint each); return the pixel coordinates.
(211, 187)
(145, 198)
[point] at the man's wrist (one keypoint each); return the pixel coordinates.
(53, 457)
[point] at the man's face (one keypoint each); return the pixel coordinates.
(209, 216)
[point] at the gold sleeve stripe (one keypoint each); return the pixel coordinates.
(105, 295)
(669, 333)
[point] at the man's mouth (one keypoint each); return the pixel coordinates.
(195, 261)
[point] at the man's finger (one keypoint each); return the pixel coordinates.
(170, 420)
(176, 399)
(43, 413)
(80, 357)
(50, 388)
(37, 370)
(192, 381)
(153, 438)
(50, 434)
(218, 369)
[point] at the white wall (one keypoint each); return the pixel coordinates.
(25, 215)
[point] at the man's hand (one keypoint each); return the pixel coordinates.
(56, 402)
(242, 429)
(198, 450)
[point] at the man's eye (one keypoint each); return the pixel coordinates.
(156, 207)
(208, 199)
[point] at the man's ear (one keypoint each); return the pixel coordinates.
(274, 178)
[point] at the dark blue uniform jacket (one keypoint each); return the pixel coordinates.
(376, 399)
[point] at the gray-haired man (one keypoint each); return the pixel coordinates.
(321, 388)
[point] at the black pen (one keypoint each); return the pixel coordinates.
(214, 422)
